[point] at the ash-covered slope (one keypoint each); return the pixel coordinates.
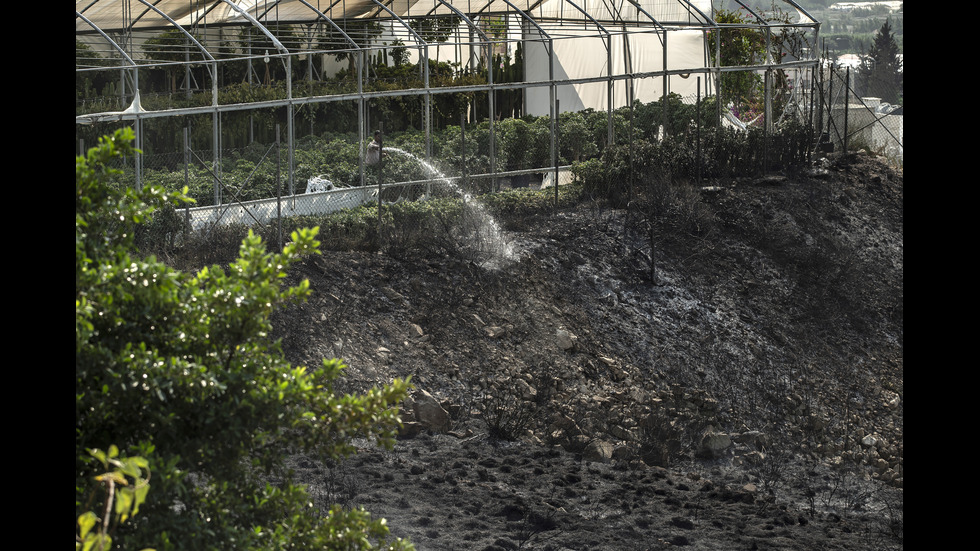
(720, 370)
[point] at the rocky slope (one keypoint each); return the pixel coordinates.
(721, 368)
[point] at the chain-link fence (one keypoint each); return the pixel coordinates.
(326, 173)
(849, 122)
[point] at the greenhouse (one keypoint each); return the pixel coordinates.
(248, 102)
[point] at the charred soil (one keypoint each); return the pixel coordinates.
(718, 368)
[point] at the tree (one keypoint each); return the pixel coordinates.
(179, 370)
(740, 45)
(881, 70)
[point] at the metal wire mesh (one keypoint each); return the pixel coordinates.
(849, 121)
(262, 183)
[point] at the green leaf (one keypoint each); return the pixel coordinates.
(86, 521)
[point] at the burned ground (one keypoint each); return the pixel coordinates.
(722, 369)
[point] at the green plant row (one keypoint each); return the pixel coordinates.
(259, 171)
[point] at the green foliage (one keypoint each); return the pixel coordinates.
(740, 46)
(179, 369)
(575, 138)
(880, 72)
(626, 169)
(518, 203)
(126, 481)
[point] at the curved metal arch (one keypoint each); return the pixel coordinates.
(275, 41)
(418, 37)
(180, 28)
(108, 39)
(533, 21)
(332, 22)
(705, 18)
(800, 8)
(589, 16)
(640, 9)
(464, 17)
(211, 7)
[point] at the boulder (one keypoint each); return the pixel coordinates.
(565, 339)
(714, 444)
(598, 451)
(430, 413)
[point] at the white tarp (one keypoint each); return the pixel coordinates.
(585, 56)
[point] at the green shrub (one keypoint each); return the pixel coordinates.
(178, 368)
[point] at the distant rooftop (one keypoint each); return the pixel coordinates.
(848, 6)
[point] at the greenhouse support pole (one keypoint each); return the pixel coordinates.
(381, 162)
(767, 119)
(138, 157)
(360, 114)
(847, 101)
(809, 119)
(290, 128)
(279, 188)
(830, 102)
(139, 130)
(428, 104)
(697, 128)
(215, 155)
(610, 99)
(462, 145)
(492, 106)
(187, 176)
(553, 90)
(554, 147)
(666, 112)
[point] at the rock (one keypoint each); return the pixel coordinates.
(410, 429)
(598, 451)
(524, 389)
(495, 331)
(752, 438)
(431, 414)
(714, 444)
(754, 457)
(395, 296)
(565, 339)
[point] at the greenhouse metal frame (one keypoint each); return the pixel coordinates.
(140, 61)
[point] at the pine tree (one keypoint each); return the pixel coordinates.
(881, 69)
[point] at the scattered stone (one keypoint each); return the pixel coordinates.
(714, 444)
(410, 429)
(524, 389)
(430, 413)
(599, 451)
(565, 339)
(395, 296)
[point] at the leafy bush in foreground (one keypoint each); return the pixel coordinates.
(178, 369)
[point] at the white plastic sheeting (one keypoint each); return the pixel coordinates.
(262, 211)
(586, 57)
(112, 14)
